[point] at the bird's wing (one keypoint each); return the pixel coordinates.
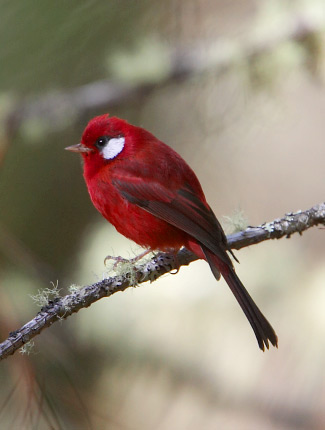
(181, 208)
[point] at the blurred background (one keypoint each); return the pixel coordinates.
(237, 88)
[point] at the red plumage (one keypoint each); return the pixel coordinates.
(151, 196)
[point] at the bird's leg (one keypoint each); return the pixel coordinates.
(140, 256)
(117, 260)
(120, 259)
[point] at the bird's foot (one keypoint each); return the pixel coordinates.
(117, 260)
(120, 259)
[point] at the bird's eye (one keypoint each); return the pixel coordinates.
(109, 147)
(101, 142)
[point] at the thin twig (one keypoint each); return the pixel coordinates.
(63, 307)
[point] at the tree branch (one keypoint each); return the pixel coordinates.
(62, 307)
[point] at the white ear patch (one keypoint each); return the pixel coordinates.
(113, 147)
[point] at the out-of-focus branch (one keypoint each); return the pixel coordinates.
(63, 307)
(57, 109)
(291, 223)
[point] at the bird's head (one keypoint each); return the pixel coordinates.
(104, 138)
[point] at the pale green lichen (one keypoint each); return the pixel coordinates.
(43, 297)
(119, 266)
(28, 348)
(236, 222)
(74, 288)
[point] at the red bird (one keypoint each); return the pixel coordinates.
(151, 195)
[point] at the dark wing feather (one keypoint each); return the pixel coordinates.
(181, 208)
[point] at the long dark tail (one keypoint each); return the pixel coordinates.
(262, 328)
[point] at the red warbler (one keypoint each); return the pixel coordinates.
(151, 195)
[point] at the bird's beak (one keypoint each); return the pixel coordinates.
(78, 148)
